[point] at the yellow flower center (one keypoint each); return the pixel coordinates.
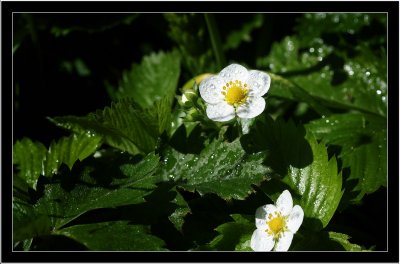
(276, 224)
(235, 92)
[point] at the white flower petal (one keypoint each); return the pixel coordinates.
(258, 82)
(234, 72)
(295, 219)
(284, 242)
(285, 202)
(262, 214)
(220, 112)
(252, 108)
(261, 241)
(211, 88)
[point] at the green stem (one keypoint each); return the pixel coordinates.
(215, 40)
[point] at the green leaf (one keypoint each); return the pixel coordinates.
(69, 149)
(28, 223)
(301, 164)
(66, 201)
(221, 168)
(319, 185)
(29, 156)
(124, 125)
(343, 240)
(177, 217)
(234, 235)
(328, 76)
(34, 160)
(363, 143)
(155, 78)
(114, 236)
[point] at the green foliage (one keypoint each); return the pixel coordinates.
(330, 75)
(363, 145)
(222, 168)
(157, 174)
(318, 184)
(234, 235)
(114, 236)
(27, 222)
(67, 200)
(34, 160)
(124, 125)
(302, 165)
(155, 78)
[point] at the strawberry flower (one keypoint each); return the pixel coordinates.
(235, 91)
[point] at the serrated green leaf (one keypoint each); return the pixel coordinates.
(124, 125)
(318, 184)
(29, 156)
(234, 235)
(114, 236)
(28, 223)
(363, 143)
(343, 239)
(301, 164)
(64, 203)
(221, 168)
(34, 160)
(154, 78)
(68, 150)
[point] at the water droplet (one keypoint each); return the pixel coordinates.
(311, 50)
(378, 91)
(212, 156)
(327, 121)
(367, 73)
(171, 177)
(336, 19)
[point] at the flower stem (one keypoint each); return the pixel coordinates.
(215, 40)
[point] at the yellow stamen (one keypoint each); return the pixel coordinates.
(276, 224)
(236, 93)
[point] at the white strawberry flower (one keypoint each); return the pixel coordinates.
(276, 224)
(235, 91)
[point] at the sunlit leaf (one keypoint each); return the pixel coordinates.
(29, 156)
(34, 160)
(124, 125)
(154, 78)
(302, 165)
(221, 168)
(363, 144)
